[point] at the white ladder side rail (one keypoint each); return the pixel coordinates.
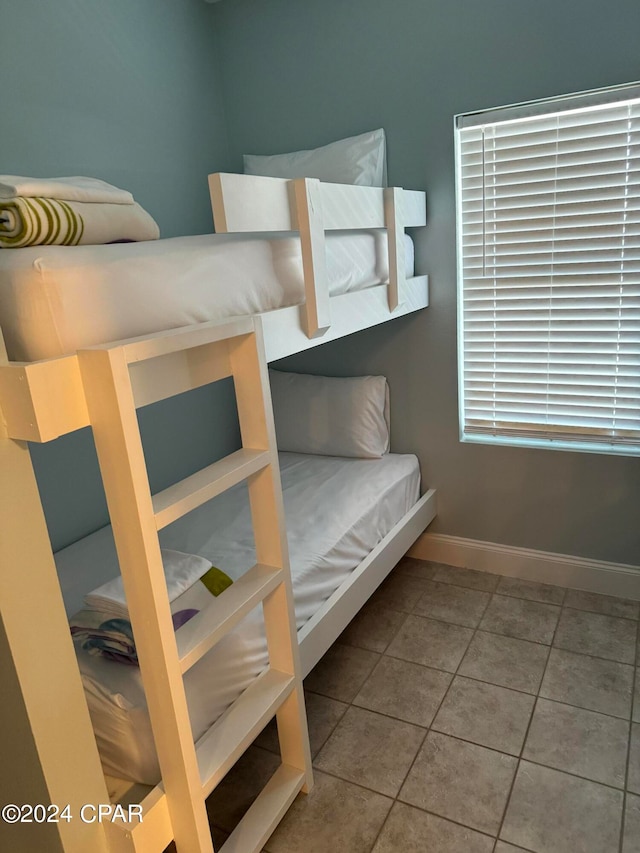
(257, 427)
(112, 412)
(40, 674)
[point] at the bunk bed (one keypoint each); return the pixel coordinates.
(100, 385)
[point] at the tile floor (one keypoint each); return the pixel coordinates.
(462, 712)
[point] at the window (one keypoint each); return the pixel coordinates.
(548, 207)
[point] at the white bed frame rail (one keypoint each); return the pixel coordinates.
(247, 203)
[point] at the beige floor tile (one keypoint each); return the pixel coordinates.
(373, 628)
(466, 577)
(631, 842)
(595, 634)
(417, 568)
(453, 604)
(239, 788)
(405, 690)
(335, 816)
(372, 750)
(606, 604)
(410, 830)
(636, 698)
(323, 715)
(505, 661)
(400, 592)
(551, 811)
(520, 588)
(525, 620)
(431, 643)
(453, 786)
(598, 685)
(485, 714)
(466, 783)
(268, 737)
(582, 742)
(341, 672)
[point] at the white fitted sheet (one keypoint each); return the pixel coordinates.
(336, 509)
(57, 299)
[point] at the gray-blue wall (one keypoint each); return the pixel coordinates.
(128, 91)
(154, 94)
(300, 74)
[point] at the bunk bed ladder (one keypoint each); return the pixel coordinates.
(118, 378)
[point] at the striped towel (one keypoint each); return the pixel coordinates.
(54, 221)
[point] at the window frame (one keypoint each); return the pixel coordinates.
(528, 109)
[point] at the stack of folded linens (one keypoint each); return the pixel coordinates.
(103, 627)
(69, 212)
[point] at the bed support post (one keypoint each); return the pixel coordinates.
(395, 236)
(46, 740)
(308, 205)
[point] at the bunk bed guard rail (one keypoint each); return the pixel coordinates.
(248, 203)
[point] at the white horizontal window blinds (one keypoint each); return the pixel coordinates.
(549, 268)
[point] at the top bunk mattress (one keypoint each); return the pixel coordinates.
(55, 300)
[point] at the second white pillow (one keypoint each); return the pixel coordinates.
(331, 416)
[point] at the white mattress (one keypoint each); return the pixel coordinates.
(57, 299)
(336, 509)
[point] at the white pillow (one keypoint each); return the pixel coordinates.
(358, 160)
(331, 416)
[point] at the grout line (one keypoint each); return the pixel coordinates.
(458, 737)
(396, 632)
(404, 803)
(526, 735)
(410, 768)
(597, 613)
(536, 601)
(626, 771)
(560, 608)
(429, 728)
(484, 681)
(511, 637)
(519, 758)
(537, 642)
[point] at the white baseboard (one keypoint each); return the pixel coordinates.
(542, 566)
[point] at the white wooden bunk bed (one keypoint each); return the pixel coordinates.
(101, 385)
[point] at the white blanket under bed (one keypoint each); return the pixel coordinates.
(57, 299)
(336, 509)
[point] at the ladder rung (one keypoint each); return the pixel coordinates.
(266, 811)
(220, 747)
(182, 497)
(201, 633)
(153, 830)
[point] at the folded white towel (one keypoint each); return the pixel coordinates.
(76, 188)
(181, 571)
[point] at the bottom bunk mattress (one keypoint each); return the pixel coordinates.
(337, 510)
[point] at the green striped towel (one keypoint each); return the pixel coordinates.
(48, 221)
(35, 221)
